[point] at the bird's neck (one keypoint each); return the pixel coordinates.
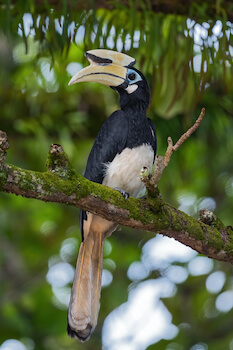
(133, 102)
(135, 107)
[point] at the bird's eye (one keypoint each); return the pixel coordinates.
(131, 76)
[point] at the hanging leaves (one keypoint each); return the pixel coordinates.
(179, 55)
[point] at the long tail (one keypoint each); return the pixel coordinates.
(85, 294)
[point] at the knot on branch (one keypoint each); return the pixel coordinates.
(151, 180)
(4, 145)
(56, 150)
(209, 218)
(58, 162)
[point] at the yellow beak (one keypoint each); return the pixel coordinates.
(106, 67)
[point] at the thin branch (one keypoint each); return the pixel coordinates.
(169, 151)
(188, 133)
(151, 181)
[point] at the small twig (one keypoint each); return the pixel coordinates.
(151, 181)
(172, 148)
(168, 153)
(190, 131)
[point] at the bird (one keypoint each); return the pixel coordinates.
(125, 143)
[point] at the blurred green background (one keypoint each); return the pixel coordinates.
(157, 294)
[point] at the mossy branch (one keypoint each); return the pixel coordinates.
(61, 184)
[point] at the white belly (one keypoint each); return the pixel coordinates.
(124, 171)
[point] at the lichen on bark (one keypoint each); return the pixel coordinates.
(61, 184)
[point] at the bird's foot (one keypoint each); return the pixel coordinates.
(143, 197)
(123, 192)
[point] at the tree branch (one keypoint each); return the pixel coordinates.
(151, 180)
(61, 184)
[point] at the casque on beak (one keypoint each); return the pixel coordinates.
(106, 67)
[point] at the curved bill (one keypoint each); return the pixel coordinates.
(110, 75)
(102, 56)
(107, 67)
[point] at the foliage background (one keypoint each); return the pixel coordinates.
(187, 59)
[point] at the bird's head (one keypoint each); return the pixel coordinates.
(116, 70)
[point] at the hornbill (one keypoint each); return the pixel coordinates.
(124, 145)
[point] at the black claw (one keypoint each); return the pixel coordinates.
(143, 197)
(124, 193)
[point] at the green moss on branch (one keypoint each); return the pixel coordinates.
(62, 184)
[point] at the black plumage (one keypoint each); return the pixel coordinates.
(128, 127)
(125, 144)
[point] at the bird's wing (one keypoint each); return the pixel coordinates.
(110, 141)
(153, 131)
